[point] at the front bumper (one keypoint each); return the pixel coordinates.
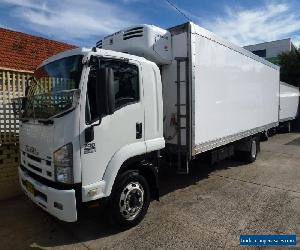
(59, 203)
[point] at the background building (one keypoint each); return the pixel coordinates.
(271, 50)
(20, 54)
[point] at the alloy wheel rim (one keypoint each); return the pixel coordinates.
(131, 200)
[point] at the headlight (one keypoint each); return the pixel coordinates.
(63, 164)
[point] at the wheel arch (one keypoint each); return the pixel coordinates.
(132, 157)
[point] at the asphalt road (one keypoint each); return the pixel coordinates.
(207, 209)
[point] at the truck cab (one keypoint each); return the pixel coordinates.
(91, 127)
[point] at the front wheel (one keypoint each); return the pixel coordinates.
(129, 200)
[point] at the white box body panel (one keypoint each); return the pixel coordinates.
(233, 92)
(289, 102)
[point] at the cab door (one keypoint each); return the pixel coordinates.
(125, 126)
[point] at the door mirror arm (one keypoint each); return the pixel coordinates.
(89, 131)
(105, 95)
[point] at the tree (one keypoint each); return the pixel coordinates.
(290, 67)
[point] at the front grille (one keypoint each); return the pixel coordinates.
(34, 168)
(39, 165)
(34, 158)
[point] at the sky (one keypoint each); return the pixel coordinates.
(84, 22)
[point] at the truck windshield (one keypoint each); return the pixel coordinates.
(53, 89)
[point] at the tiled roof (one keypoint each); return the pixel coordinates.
(22, 51)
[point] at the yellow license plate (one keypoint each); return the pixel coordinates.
(29, 187)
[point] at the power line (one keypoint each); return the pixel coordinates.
(176, 8)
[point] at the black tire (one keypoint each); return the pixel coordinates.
(127, 180)
(272, 132)
(250, 155)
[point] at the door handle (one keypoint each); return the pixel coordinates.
(139, 130)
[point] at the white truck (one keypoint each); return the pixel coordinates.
(289, 106)
(96, 122)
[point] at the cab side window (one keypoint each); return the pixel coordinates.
(126, 82)
(126, 86)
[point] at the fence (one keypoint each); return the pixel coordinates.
(12, 85)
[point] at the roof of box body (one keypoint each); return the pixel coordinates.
(211, 36)
(20, 51)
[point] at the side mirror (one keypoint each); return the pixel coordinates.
(105, 91)
(89, 134)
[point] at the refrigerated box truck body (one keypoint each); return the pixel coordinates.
(145, 92)
(226, 93)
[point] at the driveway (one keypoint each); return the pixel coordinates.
(208, 209)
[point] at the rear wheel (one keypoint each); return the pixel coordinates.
(247, 151)
(129, 200)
